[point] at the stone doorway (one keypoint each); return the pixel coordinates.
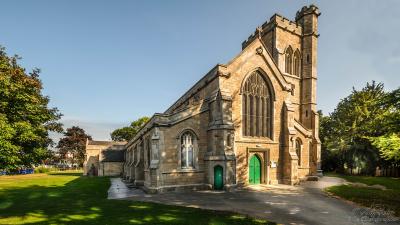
(257, 165)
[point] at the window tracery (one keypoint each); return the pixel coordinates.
(256, 107)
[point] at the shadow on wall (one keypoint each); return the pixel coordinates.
(92, 166)
(82, 200)
(113, 155)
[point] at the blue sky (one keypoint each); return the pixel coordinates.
(105, 63)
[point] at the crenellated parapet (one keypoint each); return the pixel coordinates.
(307, 10)
(275, 21)
(252, 120)
(286, 24)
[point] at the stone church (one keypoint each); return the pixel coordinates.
(250, 121)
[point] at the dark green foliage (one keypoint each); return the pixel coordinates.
(127, 133)
(352, 135)
(25, 118)
(330, 159)
(74, 141)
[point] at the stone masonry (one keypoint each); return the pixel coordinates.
(262, 103)
(104, 158)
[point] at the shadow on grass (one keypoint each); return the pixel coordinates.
(369, 196)
(82, 200)
(77, 174)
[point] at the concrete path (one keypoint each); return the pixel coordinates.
(305, 204)
(119, 190)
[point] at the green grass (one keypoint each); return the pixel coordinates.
(388, 182)
(69, 198)
(370, 197)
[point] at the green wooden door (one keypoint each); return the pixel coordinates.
(218, 178)
(255, 170)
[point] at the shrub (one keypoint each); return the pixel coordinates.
(42, 169)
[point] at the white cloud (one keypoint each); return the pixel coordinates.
(394, 59)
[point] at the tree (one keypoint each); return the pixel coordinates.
(392, 119)
(388, 145)
(127, 133)
(9, 158)
(74, 141)
(25, 118)
(329, 156)
(356, 132)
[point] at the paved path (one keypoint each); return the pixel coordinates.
(305, 204)
(119, 190)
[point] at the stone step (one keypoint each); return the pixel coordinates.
(131, 185)
(312, 178)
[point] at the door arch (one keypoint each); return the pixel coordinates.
(255, 170)
(218, 177)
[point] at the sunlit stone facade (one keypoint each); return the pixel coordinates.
(252, 120)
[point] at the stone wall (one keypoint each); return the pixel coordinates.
(95, 156)
(212, 110)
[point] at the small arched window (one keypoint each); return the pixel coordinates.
(296, 64)
(139, 156)
(298, 151)
(187, 150)
(132, 156)
(289, 60)
(148, 148)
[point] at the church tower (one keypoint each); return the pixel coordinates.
(307, 17)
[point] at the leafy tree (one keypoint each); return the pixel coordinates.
(388, 145)
(25, 118)
(392, 103)
(127, 133)
(356, 132)
(8, 150)
(329, 156)
(74, 141)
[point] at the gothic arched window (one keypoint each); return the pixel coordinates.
(296, 64)
(187, 150)
(148, 148)
(289, 60)
(256, 107)
(138, 153)
(298, 150)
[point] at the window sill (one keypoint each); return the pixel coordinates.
(291, 75)
(189, 169)
(183, 171)
(258, 140)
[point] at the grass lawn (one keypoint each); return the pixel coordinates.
(370, 197)
(69, 198)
